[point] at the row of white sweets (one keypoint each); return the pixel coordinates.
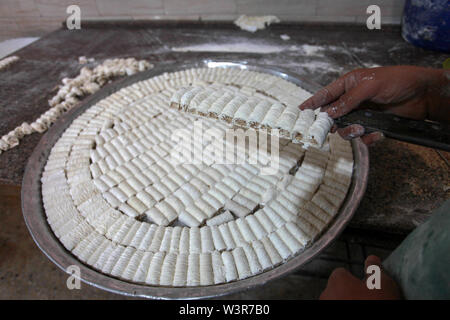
(226, 190)
(70, 93)
(140, 266)
(307, 126)
(117, 194)
(122, 174)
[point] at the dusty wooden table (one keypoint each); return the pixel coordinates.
(405, 183)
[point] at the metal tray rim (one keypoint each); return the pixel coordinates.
(49, 244)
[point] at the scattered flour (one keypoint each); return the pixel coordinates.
(256, 47)
(318, 61)
(253, 24)
(311, 50)
(316, 50)
(315, 65)
(246, 47)
(372, 65)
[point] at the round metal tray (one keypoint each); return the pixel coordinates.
(45, 239)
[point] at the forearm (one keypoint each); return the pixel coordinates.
(438, 96)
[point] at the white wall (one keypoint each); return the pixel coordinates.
(35, 17)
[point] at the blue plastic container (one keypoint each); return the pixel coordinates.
(426, 23)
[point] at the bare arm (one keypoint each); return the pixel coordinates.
(408, 91)
(342, 285)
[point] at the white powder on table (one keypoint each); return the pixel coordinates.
(246, 47)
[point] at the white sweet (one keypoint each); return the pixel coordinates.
(229, 264)
(241, 262)
(263, 257)
(220, 219)
(154, 271)
(319, 129)
(168, 269)
(218, 267)
(206, 270)
(193, 270)
(181, 270)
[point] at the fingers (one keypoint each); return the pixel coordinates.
(389, 290)
(355, 130)
(351, 132)
(326, 95)
(342, 285)
(372, 138)
(341, 275)
(349, 101)
(372, 260)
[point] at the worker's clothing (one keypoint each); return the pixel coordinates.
(421, 264)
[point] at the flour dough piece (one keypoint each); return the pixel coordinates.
(8, 61)
(116, 198)
(254, 23)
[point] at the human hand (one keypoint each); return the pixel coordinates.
(342, 285)
(407, 91)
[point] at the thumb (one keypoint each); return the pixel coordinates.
(372, 260)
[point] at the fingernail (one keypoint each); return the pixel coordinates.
(356, 131)
(373, 138)
(377, 137)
